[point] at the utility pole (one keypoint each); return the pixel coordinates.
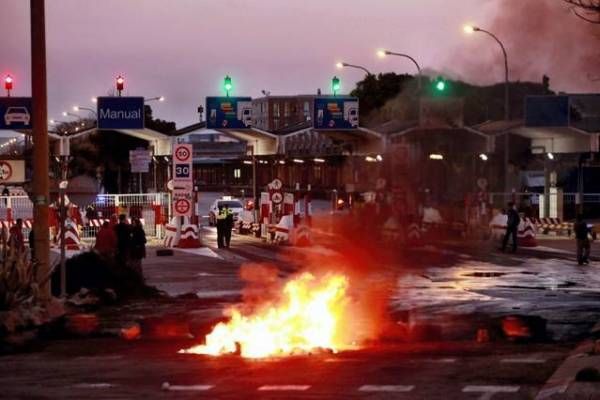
(40, 181)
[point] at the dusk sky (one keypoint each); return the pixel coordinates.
(182, 49)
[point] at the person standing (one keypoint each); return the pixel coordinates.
(123, 233)
(138, 246)
(16, 241)
(228, 226)
(106, 241)
(582, 232)
(221, 227)
(512, 227)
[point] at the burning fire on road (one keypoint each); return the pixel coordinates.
(310, 313)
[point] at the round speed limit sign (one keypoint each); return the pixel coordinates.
(5, 171)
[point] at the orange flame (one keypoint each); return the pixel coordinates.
(309, 315)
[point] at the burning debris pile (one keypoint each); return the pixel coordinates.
(309, 313)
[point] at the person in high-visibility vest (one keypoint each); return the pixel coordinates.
(228, 226)
(221, 216)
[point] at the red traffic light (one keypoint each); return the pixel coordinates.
(120, 83)
(8, 82)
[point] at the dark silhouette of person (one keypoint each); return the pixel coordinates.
(512, 227)
(221, 228)
(138, 246)
(123, 232)
(582, 232)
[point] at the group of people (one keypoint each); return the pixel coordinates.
(224, 226)
(124, 243)
(583, 232)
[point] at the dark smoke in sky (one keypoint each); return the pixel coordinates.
(541, 37)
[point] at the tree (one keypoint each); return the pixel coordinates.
(158, 125)
(375, 90)
(587, 10)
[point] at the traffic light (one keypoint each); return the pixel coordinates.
(120, 84)
(227, 84)
(335, 85)
(8, 84)
(440, 84)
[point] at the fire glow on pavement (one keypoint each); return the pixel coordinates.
(309, 314)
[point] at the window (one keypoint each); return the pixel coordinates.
(275, 110)
(286, 109)
(237, 173)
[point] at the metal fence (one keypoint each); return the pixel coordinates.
(568, 203)
(151, 208)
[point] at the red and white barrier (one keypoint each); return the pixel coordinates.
(189, 238)
(414, 235)
(171, 238)
(72, 240)
(301, 236)
(185, 236)
(391, 230)
(526, 233)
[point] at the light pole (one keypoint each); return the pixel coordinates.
(341, 65)
(384, 53)
(471, 29)
(91, 110)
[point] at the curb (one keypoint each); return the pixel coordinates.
(581, 357)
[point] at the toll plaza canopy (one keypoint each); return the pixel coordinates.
(160, 142)
(554, 139)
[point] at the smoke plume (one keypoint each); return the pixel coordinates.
(542, 37)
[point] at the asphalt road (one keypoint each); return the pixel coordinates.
(113, 369)
(456, 291)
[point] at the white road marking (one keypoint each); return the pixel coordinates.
(436, 360)
(523, 361)
(202, 251)
(386, 388)
(93, 385)
(283, 388)
(186, 388)
(489, 391)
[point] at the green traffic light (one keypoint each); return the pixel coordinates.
(227, 84)
(335, 84)
(441, 85)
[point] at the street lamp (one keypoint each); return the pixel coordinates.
(470, 29)
(79, 108)
(341, 65)
(383, 53)
(159, 98)
(483, 157)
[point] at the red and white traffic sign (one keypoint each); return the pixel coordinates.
(183, 152)
(182, 203)
(5, 171)
(277, 197)
(182, 206)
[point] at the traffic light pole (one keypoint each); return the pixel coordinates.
(40, 180)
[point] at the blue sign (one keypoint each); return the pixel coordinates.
(15, 113)
(228, 112)
(546, 111)
(120, 113)
(336, 112)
